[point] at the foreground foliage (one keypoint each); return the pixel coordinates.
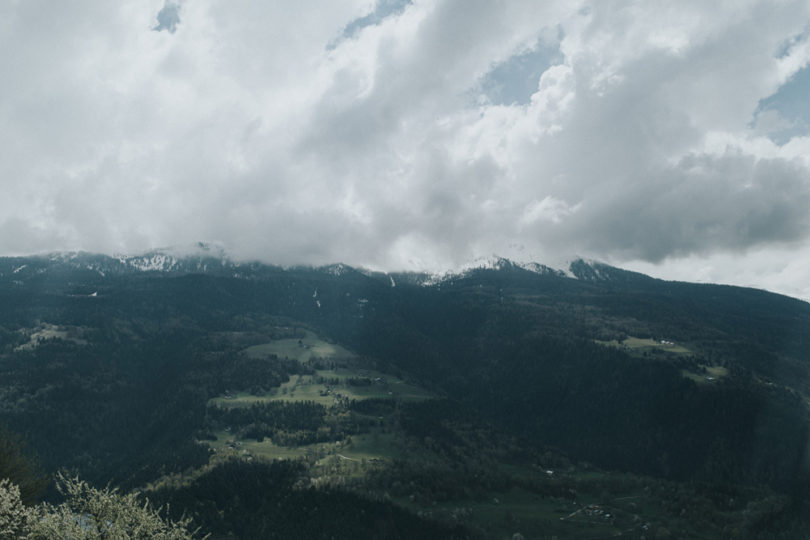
(19, 468)
(87, 514)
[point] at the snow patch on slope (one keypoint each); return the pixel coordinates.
(335, 269)
(157, 262)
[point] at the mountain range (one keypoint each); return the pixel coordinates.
(424, 396)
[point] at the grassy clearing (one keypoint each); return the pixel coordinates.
(266, 449)
(636, 345)
(330, 387)
(322, 388)
(303, 349)
(333, 388)
(47, 331)
(368, 446)
(710, 375)
(327, 386)
(227, 445)
(301, 393)
(716, 371)
(372, 446)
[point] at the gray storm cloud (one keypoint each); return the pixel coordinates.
(700, 205)
(407, 134)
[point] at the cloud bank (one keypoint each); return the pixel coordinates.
(413, 135)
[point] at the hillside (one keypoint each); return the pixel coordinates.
(504, 398)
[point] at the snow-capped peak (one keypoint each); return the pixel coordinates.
(195, 257)
(493, 262)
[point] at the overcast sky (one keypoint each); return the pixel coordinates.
(668, 137)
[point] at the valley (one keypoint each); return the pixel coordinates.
(497, 402)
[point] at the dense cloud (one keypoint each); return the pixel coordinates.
(412, 134)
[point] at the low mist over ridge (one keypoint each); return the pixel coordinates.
(208, 257)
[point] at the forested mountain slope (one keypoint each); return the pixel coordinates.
(141, 371)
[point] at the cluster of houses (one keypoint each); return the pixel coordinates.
(594, 510)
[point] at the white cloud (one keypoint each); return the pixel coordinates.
(548, 210)
(777, 269)
(366, 131)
